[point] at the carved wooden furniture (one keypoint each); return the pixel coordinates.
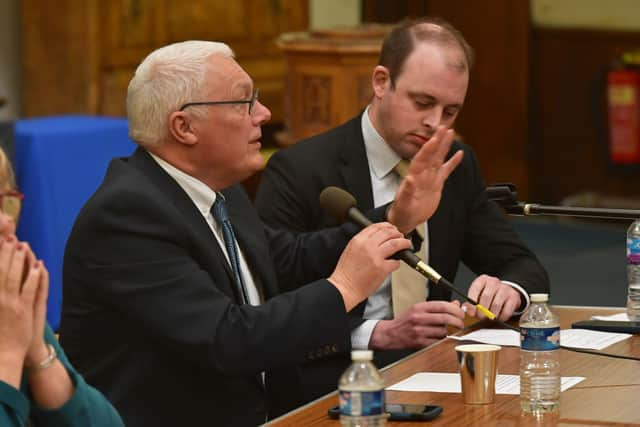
(328, 77)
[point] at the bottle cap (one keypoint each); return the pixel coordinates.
(539, 297)
(361, 355)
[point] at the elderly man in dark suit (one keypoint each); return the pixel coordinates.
(173, 302)
(420, 84)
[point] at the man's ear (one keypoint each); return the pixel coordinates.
(180, 127)
(380, 81)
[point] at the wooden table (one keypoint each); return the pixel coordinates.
(609, 396)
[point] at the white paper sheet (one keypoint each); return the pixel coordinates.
(584, 338)
(578, 338)
(621, 317)
(444, 382)
(504, 337)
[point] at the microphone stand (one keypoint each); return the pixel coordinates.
(505, 194)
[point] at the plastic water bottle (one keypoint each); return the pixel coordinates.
(633, 270)
(539, 357)
(362, 393)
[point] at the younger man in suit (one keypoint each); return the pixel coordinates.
(420, 84)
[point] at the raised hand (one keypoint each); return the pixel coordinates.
(19, 281)
(38, 350)
(419, 193)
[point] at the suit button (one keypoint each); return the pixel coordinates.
(334, 349)
(327, 350)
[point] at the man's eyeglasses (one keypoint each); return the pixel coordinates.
(11, 203)
(251, 102)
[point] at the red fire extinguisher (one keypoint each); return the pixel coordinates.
(623, 100)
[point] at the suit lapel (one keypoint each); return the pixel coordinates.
(440, 245)
(214, 259)
(202, 234)
(354, 166)
(354, 170)
(249, 232)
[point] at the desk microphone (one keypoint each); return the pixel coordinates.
(506, 195)
(341, 205)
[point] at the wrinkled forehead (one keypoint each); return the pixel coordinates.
(225, 76)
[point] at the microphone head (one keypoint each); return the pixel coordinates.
(337, 202)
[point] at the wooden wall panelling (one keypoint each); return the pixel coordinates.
(60, 62)
(392, 11)
(258, 53)
(90, 50)
(129, 30)
(569, 115)
(494, 120)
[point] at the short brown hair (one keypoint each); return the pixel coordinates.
(401, 41)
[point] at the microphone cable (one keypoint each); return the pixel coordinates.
(575, 349)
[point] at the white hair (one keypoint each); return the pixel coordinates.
(165, 80)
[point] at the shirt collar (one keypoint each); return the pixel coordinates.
(201, 195)
(382, 159)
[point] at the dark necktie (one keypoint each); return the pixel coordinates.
(219, 211)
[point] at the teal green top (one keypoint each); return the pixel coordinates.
(86, 408)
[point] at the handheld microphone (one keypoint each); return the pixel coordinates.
(341, 205)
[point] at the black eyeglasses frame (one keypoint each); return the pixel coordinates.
(251, 102)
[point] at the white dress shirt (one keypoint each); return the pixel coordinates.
(204, 198)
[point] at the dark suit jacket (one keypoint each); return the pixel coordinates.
(466, 226)
(150, 314)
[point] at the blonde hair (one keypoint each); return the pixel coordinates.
(166, 79)
(7, 177)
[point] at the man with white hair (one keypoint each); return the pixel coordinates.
(173, 302)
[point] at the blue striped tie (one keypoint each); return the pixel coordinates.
(219, 211)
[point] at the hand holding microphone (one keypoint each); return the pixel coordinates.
(366, 261)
